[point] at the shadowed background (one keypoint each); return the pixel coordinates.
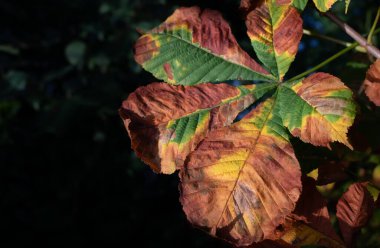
(69, 177)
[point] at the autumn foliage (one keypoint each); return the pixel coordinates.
(240, 179)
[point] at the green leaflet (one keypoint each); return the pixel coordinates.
(318, 109)
(194, 46)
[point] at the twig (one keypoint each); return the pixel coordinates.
(355, 35)
(328, 38)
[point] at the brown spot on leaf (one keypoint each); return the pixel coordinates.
(168, 71)
(256, 24)
(145, 48)
(316, 88)
(288, 34)
(317, 131)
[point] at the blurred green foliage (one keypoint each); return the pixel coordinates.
(68, 174)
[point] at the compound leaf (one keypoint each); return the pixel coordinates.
(318, 109)
(243, 180)
(166, 122)
(239, 181)
(275, 30)
(194, 46)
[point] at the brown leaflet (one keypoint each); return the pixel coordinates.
(241, 182)
(372, 83)
(148, 111)
(354, 209)
(160, 103)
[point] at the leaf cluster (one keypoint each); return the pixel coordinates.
(240, 178)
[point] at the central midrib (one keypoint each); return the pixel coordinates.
(245, 160)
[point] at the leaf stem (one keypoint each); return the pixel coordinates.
(355, 35)
(369, 38)
(327, 61)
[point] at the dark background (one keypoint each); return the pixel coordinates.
(68, 175)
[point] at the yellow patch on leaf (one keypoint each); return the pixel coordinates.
(318, 131)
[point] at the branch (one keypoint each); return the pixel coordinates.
(355, 35)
